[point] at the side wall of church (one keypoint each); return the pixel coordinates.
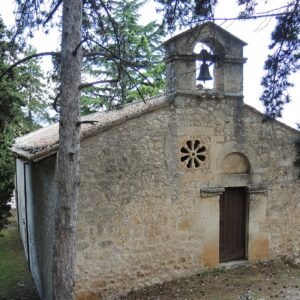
(36, 200)
(145, 216)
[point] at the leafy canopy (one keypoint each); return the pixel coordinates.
(104, 27)
(122, 60)
(133, 63)
(14, 102)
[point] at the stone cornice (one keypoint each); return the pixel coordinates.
(212, 94)
(194, 57)
(257, 189)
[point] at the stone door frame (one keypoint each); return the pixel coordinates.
(257, 239)
(233, 221)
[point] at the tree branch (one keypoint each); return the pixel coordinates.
(241, 18)
(113, 23)
(55, 102)
(79, 45)
(113, 55)
(21, 61)
(88, 84)
(50, 15)
(136, 86)
(90, 54)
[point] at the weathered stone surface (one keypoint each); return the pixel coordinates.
(235, 163)
(142, 219)
(149, 206)
(36, 198)
(147, 215)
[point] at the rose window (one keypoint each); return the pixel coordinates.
(192, 154)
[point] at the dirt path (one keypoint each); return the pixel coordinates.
(273, 280)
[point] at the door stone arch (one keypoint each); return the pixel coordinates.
(235, 172)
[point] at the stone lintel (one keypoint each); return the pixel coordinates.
(216, 191)
(257, 188)
(187, 57)
(211, 192)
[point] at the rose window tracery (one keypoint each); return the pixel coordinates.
(193, 153)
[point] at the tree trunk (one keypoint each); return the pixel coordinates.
(68, 154)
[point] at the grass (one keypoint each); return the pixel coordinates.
(15, 278)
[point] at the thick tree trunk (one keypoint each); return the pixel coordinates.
(68, 155)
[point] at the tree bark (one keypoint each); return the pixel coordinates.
(68, 154)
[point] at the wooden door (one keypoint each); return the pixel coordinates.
(232, 224)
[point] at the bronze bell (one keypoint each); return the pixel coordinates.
(204, 73)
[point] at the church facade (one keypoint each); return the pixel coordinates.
(186, 181)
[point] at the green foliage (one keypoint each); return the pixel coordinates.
(14, 101)
(282, 62)
(6, 177)
(133, 63)
(183, 13)
(249, 7)
(9, 103)
(106, 26)
(33, 90)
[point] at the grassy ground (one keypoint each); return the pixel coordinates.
(15, 279)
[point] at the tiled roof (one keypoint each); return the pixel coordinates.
(44, 141)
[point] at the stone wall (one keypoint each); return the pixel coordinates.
(152, 181)
(37, 196)
(21, 203)
(145, 217)
(181, 60)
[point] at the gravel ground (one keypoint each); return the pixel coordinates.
(278, 279)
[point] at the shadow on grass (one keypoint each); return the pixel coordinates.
(15, 279)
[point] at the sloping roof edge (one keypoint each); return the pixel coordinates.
(289, 128)
(198, 28)
(44, 141)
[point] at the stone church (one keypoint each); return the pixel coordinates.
(187, 181)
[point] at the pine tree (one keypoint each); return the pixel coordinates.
(140, 45)
(36, 105)
(90, 18)
(6, 177)
(14, 101)
(9, 103)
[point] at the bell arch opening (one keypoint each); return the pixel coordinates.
(210, 54)
(204, 69)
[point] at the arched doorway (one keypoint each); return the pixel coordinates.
(233, 210)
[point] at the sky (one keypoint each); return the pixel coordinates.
(256, 33)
